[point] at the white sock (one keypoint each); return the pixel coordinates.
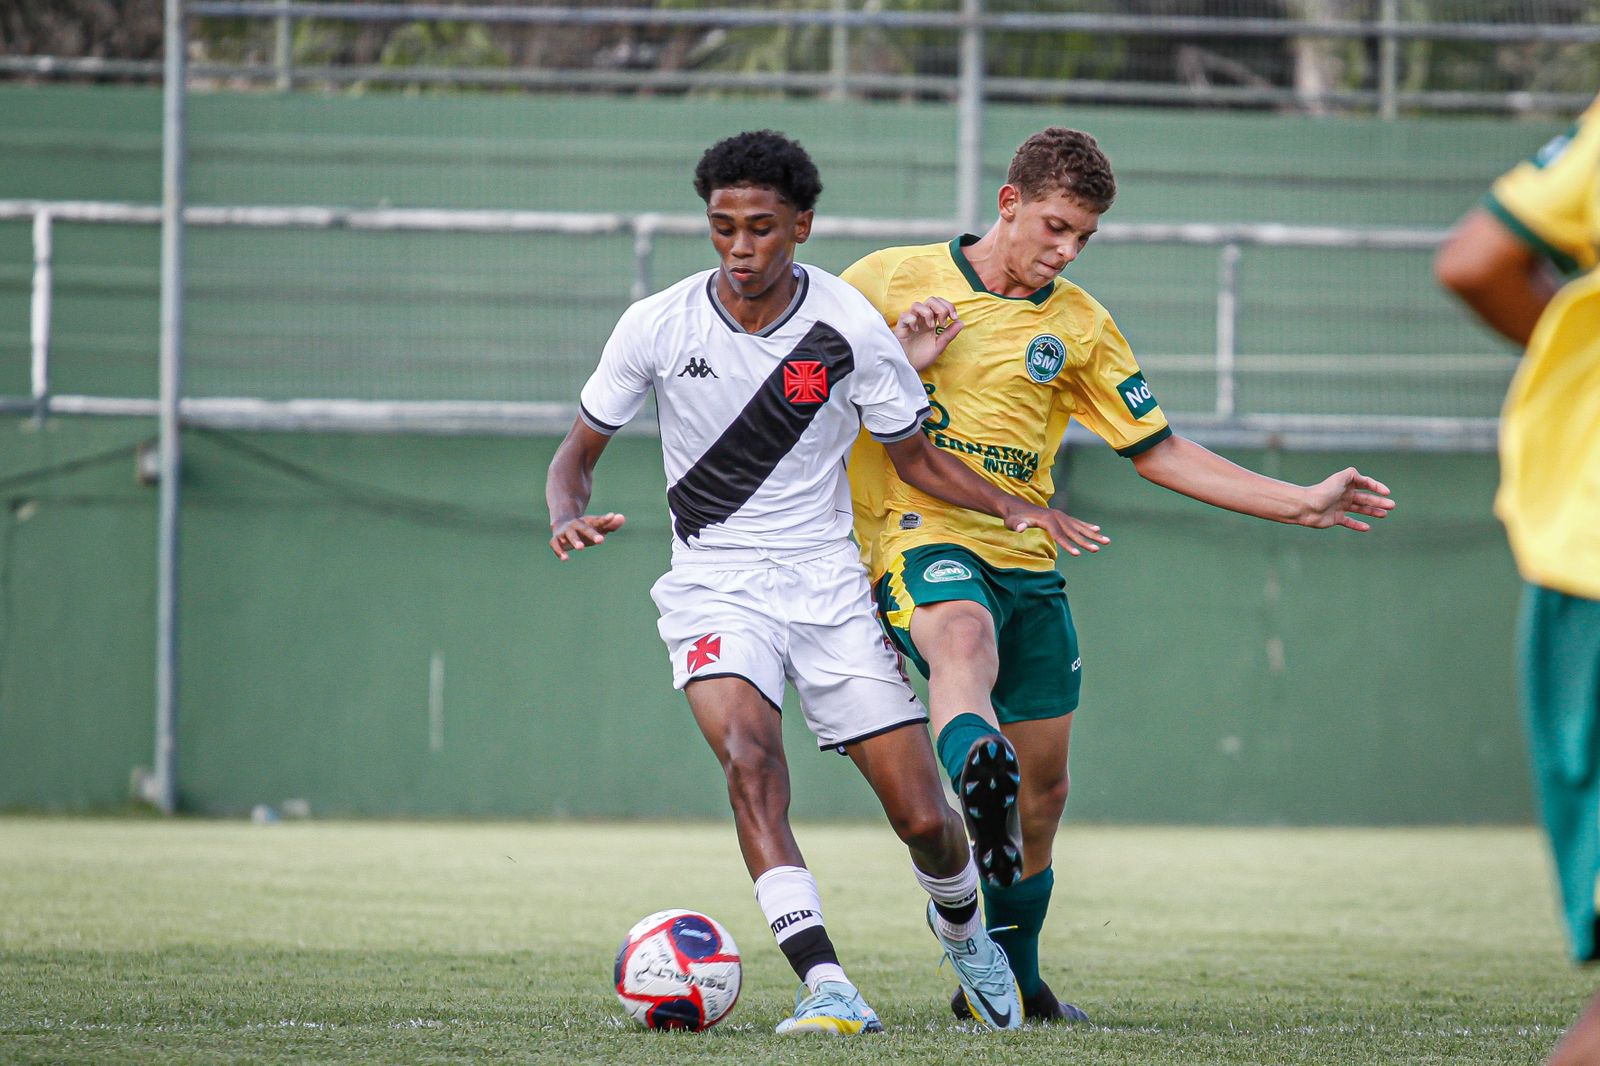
(953, 891)
(792, 905)
(789, 900)
(826, 971)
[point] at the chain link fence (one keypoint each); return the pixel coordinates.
(1317, 56)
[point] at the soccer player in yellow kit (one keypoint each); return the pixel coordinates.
(981, 610)
(1546, 213)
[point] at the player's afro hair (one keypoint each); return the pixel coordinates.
(1069, 161)
(760, 157)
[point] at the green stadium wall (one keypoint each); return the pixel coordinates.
(1235, 671)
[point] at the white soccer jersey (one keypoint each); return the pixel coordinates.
(755, 427)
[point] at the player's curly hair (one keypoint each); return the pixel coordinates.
(760, 157)
(1069, 161)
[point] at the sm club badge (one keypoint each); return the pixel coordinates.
(946, 570)
(1045, 358)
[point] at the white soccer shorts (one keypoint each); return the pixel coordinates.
(805, 619)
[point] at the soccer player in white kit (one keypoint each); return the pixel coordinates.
(764, 372)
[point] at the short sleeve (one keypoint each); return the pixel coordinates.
(1549, 200)
(869, 276)
(617, 388)
(1112, 398)
(885, 389)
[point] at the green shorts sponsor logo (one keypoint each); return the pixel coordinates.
(1046, 356)
(1137, 395)
(946, 570)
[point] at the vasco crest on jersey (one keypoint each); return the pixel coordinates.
(805, 381)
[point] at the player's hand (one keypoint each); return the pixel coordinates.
(578, 533)
(926, 329)
(1334, 500)
(1073, 534)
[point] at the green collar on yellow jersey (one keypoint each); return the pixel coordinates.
(1037, 297)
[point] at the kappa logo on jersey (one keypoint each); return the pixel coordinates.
(946, 570)
(805, 381)
(697, 368)
(1045, 358)
(705, 651)
(1137, 395)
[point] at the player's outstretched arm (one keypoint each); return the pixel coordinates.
(925, 467)
(1183, 466)
(567, 488)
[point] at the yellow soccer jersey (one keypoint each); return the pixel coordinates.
(1549, 496)
(1002, 395)
(1550, 200)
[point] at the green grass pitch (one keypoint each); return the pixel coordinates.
(199, 941)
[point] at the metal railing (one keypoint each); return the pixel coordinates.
(1222, 424)
(1388, 31)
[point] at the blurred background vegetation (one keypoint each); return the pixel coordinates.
(131, 29)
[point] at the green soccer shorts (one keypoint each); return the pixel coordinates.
(1040, 670)
(1560, 675)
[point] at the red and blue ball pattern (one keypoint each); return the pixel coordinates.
(677, 969)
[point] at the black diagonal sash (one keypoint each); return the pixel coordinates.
(724, 478)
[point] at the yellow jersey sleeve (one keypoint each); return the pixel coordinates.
(869, 276)
(1112, 399)
(869, 463)
(1549, 200)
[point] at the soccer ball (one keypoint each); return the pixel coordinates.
(677, 969)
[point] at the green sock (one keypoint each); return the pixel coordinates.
(1022, 905)
(956, 739)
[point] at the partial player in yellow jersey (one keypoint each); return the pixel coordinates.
(1525, 261)
(981, 610)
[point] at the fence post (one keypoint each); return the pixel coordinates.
(1227, 328)
(644, 247)
(969, 108)
(1388, 60)
(163, 788)
(839, 52)
(283, 49)
(39, 319)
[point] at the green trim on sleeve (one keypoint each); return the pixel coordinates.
(1562, 261)
(1145, 445)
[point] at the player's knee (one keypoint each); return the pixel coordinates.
(968, 635)
(923, 827)
(754, 775)
(1049, 796)
(972, 629)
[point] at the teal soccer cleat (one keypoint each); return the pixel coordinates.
(987, 982)
(834, 1009)
(1041, 1008)
(987, 792)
